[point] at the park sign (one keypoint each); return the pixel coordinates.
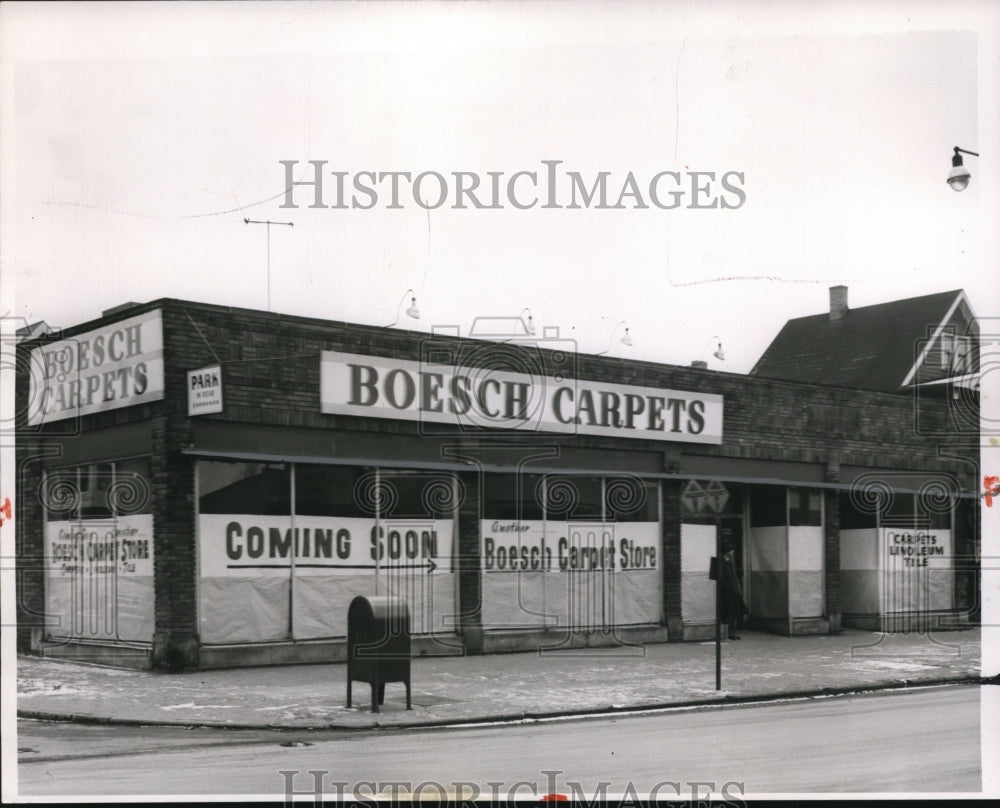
(114, 366)
(204, 388)
(482, 398)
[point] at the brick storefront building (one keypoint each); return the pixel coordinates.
(203, 486)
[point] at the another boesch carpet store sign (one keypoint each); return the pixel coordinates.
(115, 366)
(536, 546)
(378, 387)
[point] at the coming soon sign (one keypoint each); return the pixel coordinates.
(378, 387)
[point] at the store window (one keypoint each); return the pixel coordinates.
(416, 495)
(805, 507)
(574, 498)
(132, 491)
(330, 491)
(768, 506)
(95, 482)
(629, 499)
(934, 509)
(61, 494)
(99, 551)
(516, 497)
(928, 509)
(250, 488)
(857, 512)
(897, 509)
(98, 490)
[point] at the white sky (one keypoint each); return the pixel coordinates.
(127, 127)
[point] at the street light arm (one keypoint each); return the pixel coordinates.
(965, 151)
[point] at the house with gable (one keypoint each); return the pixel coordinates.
(920, 341)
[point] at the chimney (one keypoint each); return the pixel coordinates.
(700, 363)
(838, 302)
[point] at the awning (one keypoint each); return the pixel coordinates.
(902, 483)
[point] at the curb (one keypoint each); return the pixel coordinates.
(719, 701)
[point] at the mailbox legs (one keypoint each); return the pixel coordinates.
(378, 693)
(381, 696)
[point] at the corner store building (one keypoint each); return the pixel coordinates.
(517, 495)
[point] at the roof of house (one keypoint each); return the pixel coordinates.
(33, 330)
(869, 348)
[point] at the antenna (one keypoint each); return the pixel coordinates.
(268, 222)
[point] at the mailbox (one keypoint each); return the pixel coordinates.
(378, 645)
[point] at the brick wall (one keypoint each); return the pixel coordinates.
(28, 531)
(831, 561)
(271, 376)
(670, 526)
(175, 638)
(470, 593)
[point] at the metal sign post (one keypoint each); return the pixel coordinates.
(701, 499)
(718, 604)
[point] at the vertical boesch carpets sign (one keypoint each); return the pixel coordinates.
(114, 366)
(378, 387)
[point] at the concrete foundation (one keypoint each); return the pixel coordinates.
(792, 626)
(909, 622)
(496, 642)
(138, 656)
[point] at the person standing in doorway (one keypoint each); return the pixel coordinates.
(734, 608)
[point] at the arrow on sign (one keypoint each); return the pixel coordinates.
(430, 566)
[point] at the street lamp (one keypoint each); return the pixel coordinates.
(959, 176)
(625, 340)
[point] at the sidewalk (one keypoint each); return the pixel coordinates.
(500, 686)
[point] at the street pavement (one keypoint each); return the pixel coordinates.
(497, 687)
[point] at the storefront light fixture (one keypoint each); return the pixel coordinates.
(959, 176)
(412, 311)
(718, 353)
(626, 338)
(529, 324)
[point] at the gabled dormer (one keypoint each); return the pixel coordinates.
(950, 352)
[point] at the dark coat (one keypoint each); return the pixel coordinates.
(733, 605)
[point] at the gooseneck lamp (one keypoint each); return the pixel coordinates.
(625, 340)
(529, 326)
(412, 311)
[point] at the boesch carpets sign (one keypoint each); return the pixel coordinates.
(115, 366)
(378, 387)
